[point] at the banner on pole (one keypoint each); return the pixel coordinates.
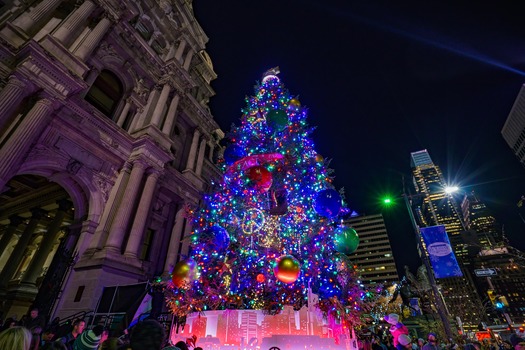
(440, 252)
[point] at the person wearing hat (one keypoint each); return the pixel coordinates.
(517, 342)
(396, 328)
(432, 342)
(404, 342)
(89, 340)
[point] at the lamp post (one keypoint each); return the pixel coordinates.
(440, 306)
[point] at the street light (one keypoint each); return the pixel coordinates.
(440, 306)
(451, 189)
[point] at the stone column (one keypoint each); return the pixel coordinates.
(186, 242)
(137, 229)
(171, 116)
(93, 39)
(71, 25)
(17, 146)
(99, 238)
(118, 228)
(18, 253)
(173, 248)
(140, 120)
(212, 149)
(10, 97)
(193, 150)
(187, 60)
(180, 50)
(46, 246)
(122, 118)
(200, 158)
(28, 20)
(171, 53)
(14, 222)
(160, 106)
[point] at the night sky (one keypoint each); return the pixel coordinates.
(381, 80)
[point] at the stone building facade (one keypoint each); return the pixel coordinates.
(105, 139)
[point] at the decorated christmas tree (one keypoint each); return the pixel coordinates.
(269, 233)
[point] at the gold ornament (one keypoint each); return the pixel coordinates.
(294, 103)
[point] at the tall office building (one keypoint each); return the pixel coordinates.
(105, 138)
(478, 218)
(514, 128)
(433, 206)
(373, 257)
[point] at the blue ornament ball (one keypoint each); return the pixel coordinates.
(216, 238)
(346, 240)
(233, 153)
(328, 203)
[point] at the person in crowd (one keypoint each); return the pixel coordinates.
(47, 336)
(90, 339)
(432, 343)
(404, 342)
(55, 345)
(181, 345)
(477, 345)
(15, 338)
(8, 323)
(197, 348)
(518, 343)
(103, 336)
(78, 327)
(36, 332)
(34, 319)
(420, 343)
(111, 343)
(146, 335)
(396, 328)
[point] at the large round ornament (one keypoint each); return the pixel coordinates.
(277, 119)
(260, 177)
(294, 103)
(328, 203)
(182, 272)
(233, 153)
(346, 240)
(215, 238)
(287, 269)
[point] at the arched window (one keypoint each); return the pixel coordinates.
(105, 93)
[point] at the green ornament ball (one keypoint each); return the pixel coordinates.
(277, 119)
(346, 240)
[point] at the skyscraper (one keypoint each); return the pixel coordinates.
(433, 206)
(373, 257)
(514, 128)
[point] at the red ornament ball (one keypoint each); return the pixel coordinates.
(260, 177)
(288, 269)
(261, 278)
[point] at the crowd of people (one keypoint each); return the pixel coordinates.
(399, 339)
(32, 333)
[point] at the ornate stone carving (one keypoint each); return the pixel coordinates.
(140, 88)
(73, 166)
(103, 185)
